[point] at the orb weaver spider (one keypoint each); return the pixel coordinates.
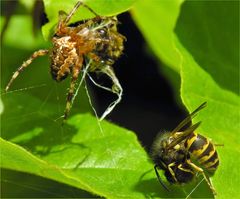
(94, 41)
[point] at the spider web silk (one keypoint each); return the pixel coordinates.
(60, 109)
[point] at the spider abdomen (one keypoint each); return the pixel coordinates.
(91, 45)
(63, 57)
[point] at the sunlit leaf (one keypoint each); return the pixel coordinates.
(102, 8)
(205, 50)
(1, 106)
(107, 160)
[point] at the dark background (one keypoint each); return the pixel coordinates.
(148, 104)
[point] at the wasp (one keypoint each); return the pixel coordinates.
(184, 154)
(74, 47)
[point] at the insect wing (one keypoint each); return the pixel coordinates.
(184, 135)
(189, 118)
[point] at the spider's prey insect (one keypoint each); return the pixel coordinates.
(94, 41)
(184, 154)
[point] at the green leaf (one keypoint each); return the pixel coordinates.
(18, 26)
(204, 50)
(213, 77)
(33, 186)
(220, 122)
(213, 40)
(34, 95)
(102, 8)
(1, 106)
(156, 20)
(107, 162)
(113, 164)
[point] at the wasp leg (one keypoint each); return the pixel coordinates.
(159, 179)
(184, 169)
(209, 183)
(25, 65)
(171, 171)
(204, 175)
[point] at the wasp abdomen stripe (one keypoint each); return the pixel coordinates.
(198, 145)
(192, 137)
(213, 167)
(212, 162)
(208, 153)
(203, 151)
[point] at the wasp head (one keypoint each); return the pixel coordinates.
(164, 155)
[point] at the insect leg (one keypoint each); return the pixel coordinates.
(209, 183)
(204, 175)
(171, 171)
(90, 9)
(194, 166)
(75, 73)
(159, 179)
(185, 169)
(78, 4)
(25, 64)
(64, 18)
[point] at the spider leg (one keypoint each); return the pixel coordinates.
(25, 64)
(64, 18)
(204, 175)
(78, 4)
(75, 73)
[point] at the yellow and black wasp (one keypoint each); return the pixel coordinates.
(184, 154)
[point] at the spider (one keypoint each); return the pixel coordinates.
(92, 45)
